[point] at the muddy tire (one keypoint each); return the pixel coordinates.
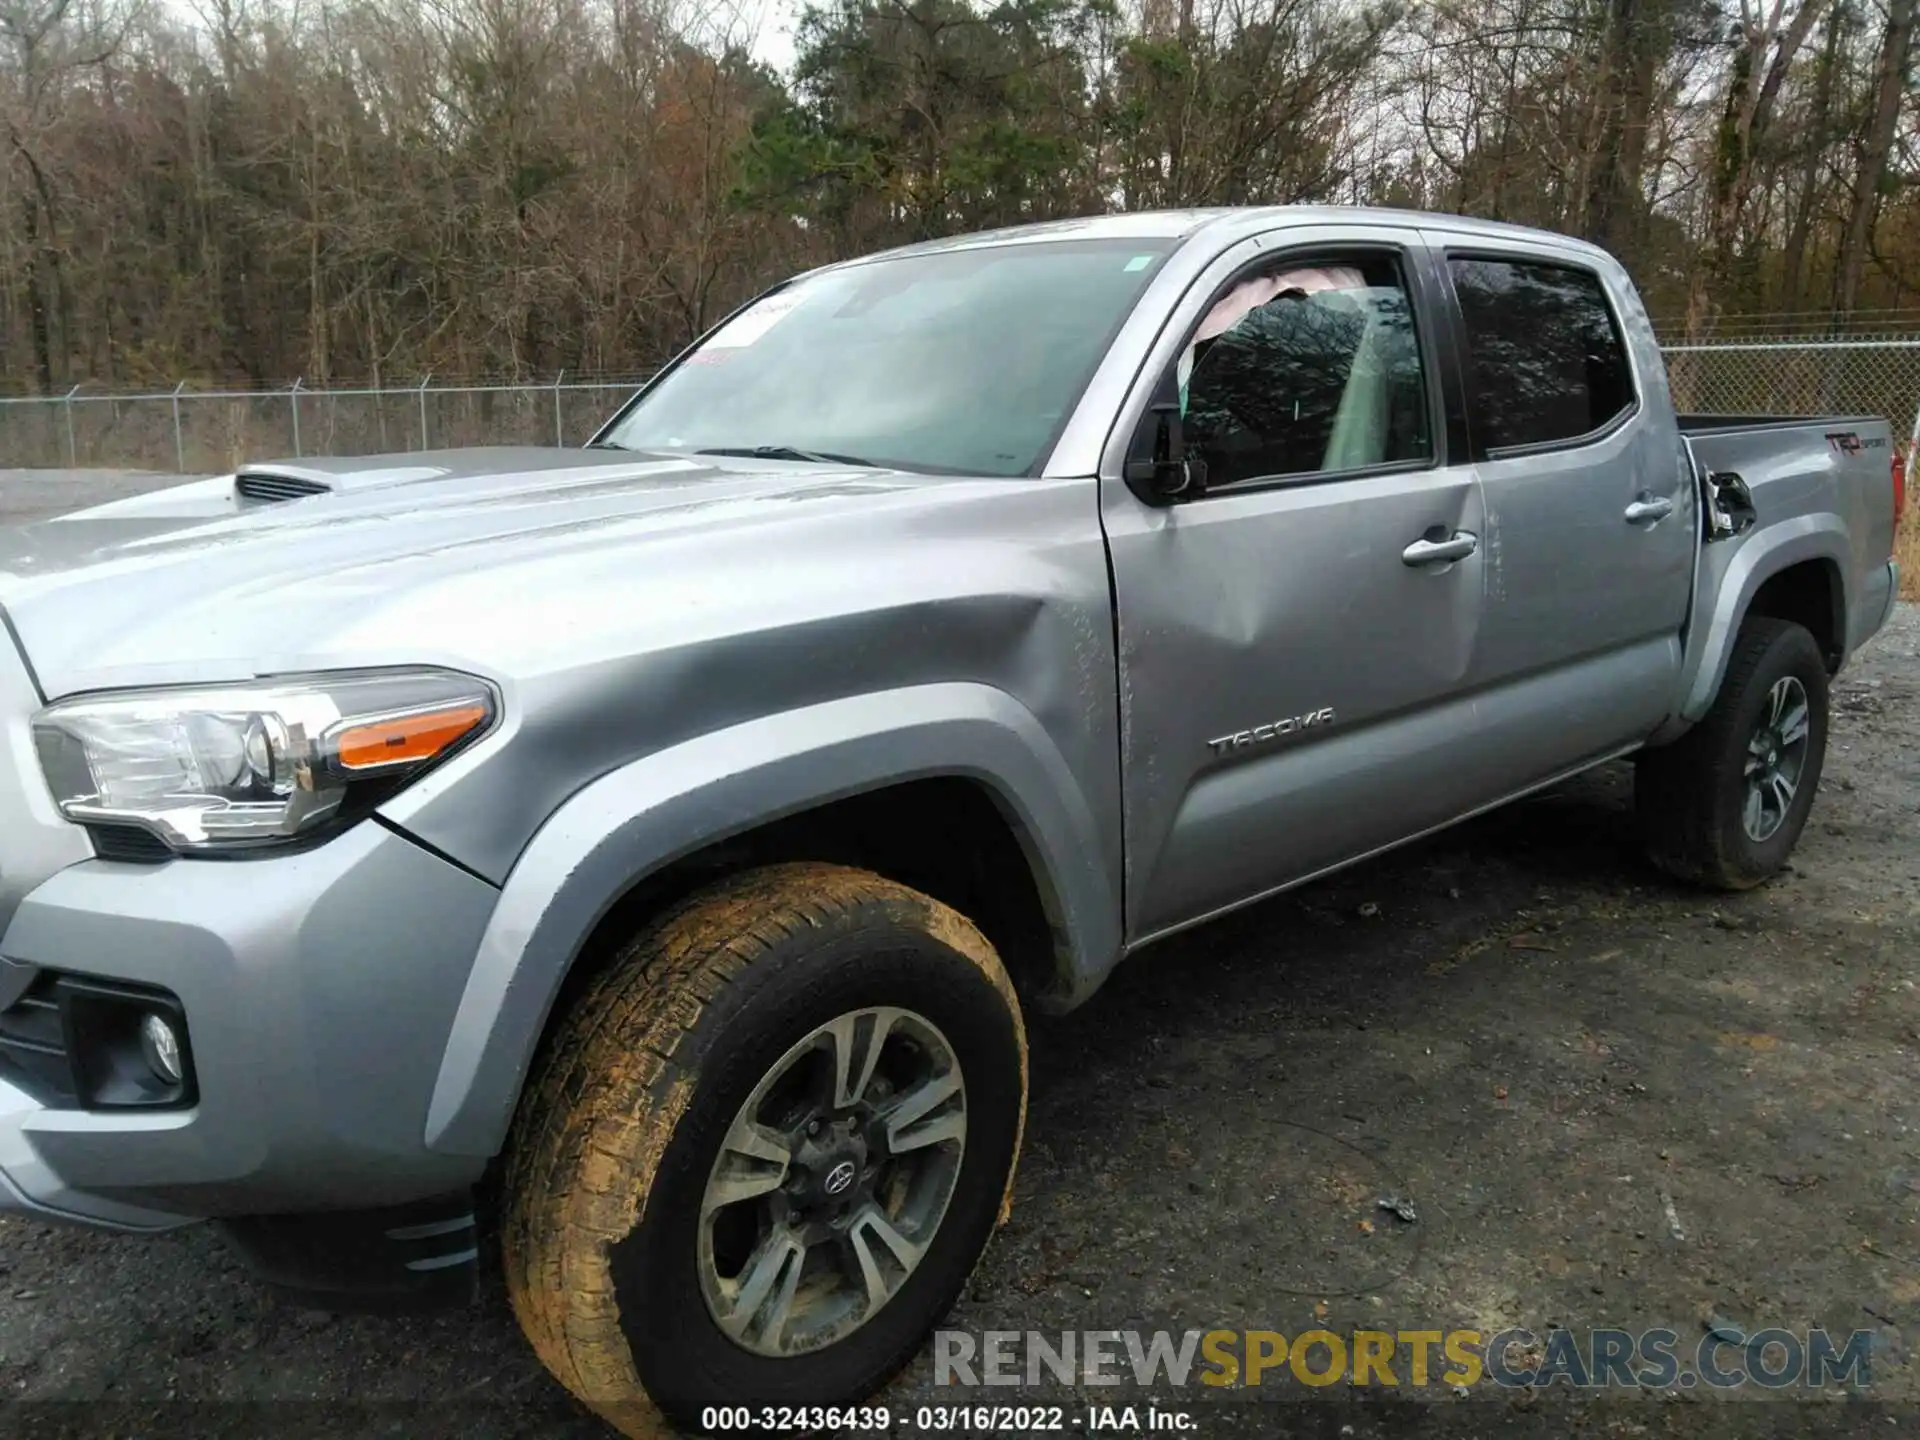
(764, 1150)
(1724, 805)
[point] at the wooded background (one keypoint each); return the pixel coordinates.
(340, 190)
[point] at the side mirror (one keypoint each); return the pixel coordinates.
(1165, 474)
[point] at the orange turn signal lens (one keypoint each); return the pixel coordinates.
(420, 736)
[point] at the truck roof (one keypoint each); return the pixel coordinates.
(1186, 224)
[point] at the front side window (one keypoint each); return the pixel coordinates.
(951, 360)
(1548, 363)
(1306, 369)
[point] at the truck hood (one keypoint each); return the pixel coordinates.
(496, 558)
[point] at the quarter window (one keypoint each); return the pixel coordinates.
(1306, 370)
(1547, 364)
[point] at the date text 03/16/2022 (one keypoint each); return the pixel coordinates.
(947, 1419)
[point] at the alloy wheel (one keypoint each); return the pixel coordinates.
(832, 1181)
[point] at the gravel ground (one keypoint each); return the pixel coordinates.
(1611, 1100)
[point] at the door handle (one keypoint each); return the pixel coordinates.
(1648, 508)
(1438, 552)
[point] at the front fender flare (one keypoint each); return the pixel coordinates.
(1764, 555)
(655, 810)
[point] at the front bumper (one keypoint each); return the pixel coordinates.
(318, 989)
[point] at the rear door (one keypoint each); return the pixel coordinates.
(1591, 526)
(1295, 644)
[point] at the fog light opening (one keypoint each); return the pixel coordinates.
(161, 1047)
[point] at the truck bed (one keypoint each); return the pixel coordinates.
(1806, 475)
(1718, 424)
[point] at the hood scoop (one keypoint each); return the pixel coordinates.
(272, 482)
(262, 487)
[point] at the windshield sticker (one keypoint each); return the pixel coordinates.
(754, 321)
(1139, 262)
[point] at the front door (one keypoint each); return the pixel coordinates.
(1295, 644)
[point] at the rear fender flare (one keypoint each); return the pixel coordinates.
(1763, 554)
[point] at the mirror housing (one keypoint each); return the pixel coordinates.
(1159, 470)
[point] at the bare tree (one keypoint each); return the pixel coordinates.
(1891, 89)
(46, 47)
(1765, 43)
(344, 189)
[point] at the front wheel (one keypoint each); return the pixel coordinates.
(765, 1150)
(1724, 805)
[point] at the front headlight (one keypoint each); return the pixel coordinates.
(233, 766)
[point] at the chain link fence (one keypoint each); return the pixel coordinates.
(210, 432)
(203, 432)
(1801, 377)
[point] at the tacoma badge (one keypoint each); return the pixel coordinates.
(1262, 734)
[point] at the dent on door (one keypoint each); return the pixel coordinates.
(1281, 661)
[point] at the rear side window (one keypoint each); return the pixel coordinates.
(1547, 363)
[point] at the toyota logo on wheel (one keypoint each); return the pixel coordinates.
(840, 1177)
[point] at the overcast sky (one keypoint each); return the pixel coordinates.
(776, 33)
(771, 23)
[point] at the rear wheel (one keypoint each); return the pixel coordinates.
(763, 1154)
(1725, 804)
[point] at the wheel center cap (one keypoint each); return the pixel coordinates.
(828, 1170)
(1773, 757)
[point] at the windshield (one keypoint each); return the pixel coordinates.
(959, 360)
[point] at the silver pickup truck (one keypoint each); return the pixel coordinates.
(630, 865)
